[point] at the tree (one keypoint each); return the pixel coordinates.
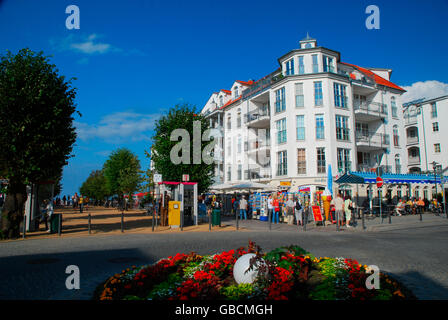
(95, 186)
(36, 128)
(122, 172)
(180, 117)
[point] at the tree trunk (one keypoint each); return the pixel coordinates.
(13, 210)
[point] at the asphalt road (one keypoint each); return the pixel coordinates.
(35, 269)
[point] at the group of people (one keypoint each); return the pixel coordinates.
(47, 211)
(414, 206)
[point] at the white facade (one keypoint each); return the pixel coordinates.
(277, 127)
(426, 133)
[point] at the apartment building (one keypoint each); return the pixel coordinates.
(425, 133)
(313, 111)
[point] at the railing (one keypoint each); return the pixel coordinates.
(256, 115)
(257, 174)
(372, 139)
(413, 160)
(374, 108)
(410, 120)
(260, 85)
(369, 168)
(255, 145)
(412, 140)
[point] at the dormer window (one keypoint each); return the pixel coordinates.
(236, 93)
(221, 101)
(328, 64)
(290, 67)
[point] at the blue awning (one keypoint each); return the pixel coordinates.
(388, 178)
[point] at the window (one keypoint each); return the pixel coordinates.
(320, 128)
(280, 104)
(437, 148)
(290, 67)
(281, 130)
(433, 110)
(238, 120)
(328, 64)
(340, 98)
(397, 164)
(301, 161)
(301, 65)
(321, 164)
(344, 163)
(342, 129)
(393, 107)
(299, 95)
(236, 92)
(435, 126)
(362, 129)
(315, 64)
(229, 147)
(282, 169)
(221, 101)
(396, 138)
(229, 122)
(300, 127)
(240, 172)
(239, 144)
(229, 173)
(318, 97)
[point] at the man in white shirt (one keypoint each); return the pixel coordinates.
(270, 206)
(243, 207)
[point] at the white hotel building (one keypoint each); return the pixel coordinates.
(312, 112)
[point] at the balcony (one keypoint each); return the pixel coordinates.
(258, 119)
(410, 120)
(412, 161)
(370, 111)
(412, 140)
(371, 141)
(257, 174)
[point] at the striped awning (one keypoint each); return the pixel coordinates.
(370, 177)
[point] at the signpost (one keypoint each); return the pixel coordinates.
(379, 185)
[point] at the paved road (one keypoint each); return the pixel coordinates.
(35, 269)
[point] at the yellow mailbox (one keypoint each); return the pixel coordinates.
(174, 214)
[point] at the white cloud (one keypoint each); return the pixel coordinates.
(119, 126)
(424, 89)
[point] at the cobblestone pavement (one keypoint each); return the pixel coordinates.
(412, 250)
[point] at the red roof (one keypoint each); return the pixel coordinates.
(376, 78)
(230, 102)
(246, 83)
(226, 91)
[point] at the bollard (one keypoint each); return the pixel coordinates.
(270, 218)
(59, 224)
(363, 220)
(421, 218)
(89, 222)
(210, 220)
(304, 219)
(337, 220)
(122, 227)
(236, 217)
(24, 226)
(390, 217)
(182, 220)
(153, 218)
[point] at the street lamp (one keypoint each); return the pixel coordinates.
(434, 165)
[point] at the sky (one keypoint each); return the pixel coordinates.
(133, 60)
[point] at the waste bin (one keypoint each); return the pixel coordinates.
(54, 222)
(216, 217)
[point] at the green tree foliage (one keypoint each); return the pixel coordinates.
(180, 117)
(36, 127)
(95, 186)
(122, 172)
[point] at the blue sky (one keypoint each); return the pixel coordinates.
(133, 60)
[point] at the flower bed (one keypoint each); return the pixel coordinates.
(287, 273)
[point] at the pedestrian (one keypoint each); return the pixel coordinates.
(235, 205)
(298, 208)
(290, 210)
(243, 207)
(276, 206)
(348, 207)
(339, 206)
(270, 206)
(81, 204)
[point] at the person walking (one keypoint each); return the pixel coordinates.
(290, 210)
(298, 208)
(348, 207)
(276, 211)
(81, 204)
(236, 205)
(339, 206)
(270, 206)
(243, 207)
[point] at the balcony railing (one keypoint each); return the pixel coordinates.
(410, 120)
(371, 108)
(412, 140)
(257, 174)
(413, 161)
(256, 115)
(372, 139)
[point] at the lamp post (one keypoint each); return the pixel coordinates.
(434, 165)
